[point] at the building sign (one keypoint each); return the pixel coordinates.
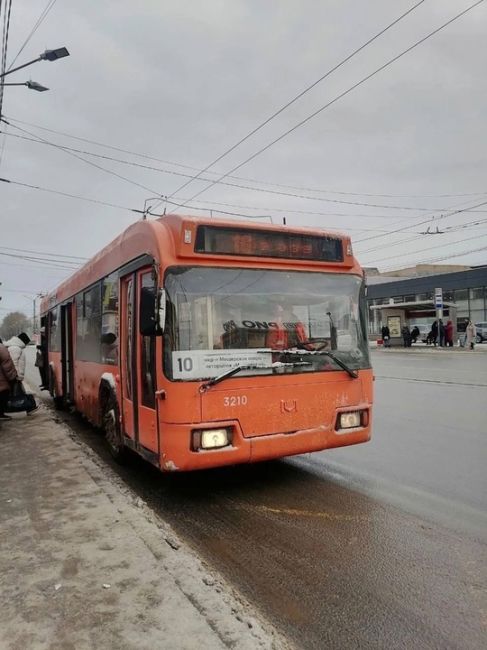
(394, 325)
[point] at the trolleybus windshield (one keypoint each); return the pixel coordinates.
(268, 321)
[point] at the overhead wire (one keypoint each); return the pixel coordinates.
(42, 260)
(448, 256)
(24, 250)
(36, 139)
(70, 196)
(335, 99)
(88, 162)
(239, 178)
(422, 250)
(36, 26)
(6, 29)
(427, 221)
(298, 96)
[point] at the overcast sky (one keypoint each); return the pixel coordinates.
(183, 81)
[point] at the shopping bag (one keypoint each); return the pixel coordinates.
(20, 401)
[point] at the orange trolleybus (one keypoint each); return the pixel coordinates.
(198, 342)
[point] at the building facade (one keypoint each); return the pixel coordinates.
(466, 289)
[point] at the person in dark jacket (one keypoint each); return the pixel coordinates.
(441, 332)
(39, 363)
(434, 332)
(415, 333)
(8, 375)
(406, 336)
(386, 336)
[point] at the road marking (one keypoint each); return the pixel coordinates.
(430, 381)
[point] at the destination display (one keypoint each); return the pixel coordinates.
(264, 243)
(195, 364)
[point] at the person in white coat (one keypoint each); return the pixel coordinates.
(16, 348)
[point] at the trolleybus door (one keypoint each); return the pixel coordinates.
(127, 354)
(138, 365)
(67, 351)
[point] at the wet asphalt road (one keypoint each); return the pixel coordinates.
(381, 545)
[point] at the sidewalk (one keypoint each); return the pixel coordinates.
(85, 564)
(421, 348)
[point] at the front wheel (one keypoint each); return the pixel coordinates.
(478, 338)
(113, 433)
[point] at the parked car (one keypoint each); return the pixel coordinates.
(481, 331)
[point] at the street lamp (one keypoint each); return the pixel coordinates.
(32, 85)
(48, 55)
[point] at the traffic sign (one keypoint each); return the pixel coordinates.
(439, 298)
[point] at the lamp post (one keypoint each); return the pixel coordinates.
(32, 85)
(48, 55)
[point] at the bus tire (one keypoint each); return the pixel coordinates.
(112, 430)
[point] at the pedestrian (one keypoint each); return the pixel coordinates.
(16, 347)
(434, 332)
(8, 375)
(386, 336)
(471, 334)
(406, 336)
(441, 333)
(415, 333)
(39, 363)
(449, 334)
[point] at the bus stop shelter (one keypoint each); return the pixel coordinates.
(396, 315)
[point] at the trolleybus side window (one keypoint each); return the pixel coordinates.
(148, 352)
(54, 330)
(109, 320)
(88, 321)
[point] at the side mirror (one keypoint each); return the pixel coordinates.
(148, 311)
(161, 311)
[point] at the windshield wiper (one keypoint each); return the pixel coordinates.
(324, 353)
(339, 362)
(233, 371)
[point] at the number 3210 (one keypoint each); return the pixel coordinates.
(235, 400)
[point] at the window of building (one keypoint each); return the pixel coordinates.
(477, 305)
(397, 299)
(109, 320)
(448, 296)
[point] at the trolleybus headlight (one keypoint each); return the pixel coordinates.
(350, 420)
(210, 439)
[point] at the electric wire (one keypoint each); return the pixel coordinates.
(24, 250)
(337, 98)
(448, 256)
(422, 250)
(6, 29)
(299, 95)
(89, 162)
(239, 178)
(37, 24)
(70, 196)
(38, 140)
